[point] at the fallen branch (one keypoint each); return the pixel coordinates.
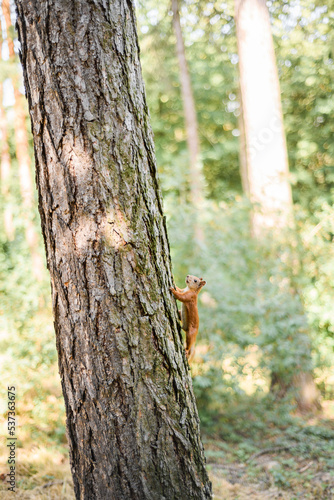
(223, 466)
(270, 450)
(303, 469)
(51, 483)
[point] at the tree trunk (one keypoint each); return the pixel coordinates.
(132, 420)
(265, 169)
(5, 171)
(26, 184)
(5, 166)
(195, 171)
(242, 151)
(302, 384)
(23, 158)
(267, 163)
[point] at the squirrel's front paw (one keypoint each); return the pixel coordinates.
(171, 289)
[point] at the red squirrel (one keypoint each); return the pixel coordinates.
(189, 311)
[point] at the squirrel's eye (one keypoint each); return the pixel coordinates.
(195, 281)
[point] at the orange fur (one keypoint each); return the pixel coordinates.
(189, 312)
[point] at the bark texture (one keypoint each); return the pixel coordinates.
(266, 152)
(132, 421)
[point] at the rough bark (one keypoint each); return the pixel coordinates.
(132, 421)
(23, 158)
(190, 116)
(266, 152)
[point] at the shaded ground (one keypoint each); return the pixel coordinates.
(273, 476)
(288, 459)
(292, 458)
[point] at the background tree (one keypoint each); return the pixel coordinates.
(5, 168)
(210, 51)
(131, 415)
(302, 40)
(248, 315)
(266, 154)
(22, 152)
(265, 162)
(196, 188)
(5, 164)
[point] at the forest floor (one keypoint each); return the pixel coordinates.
(287, 458)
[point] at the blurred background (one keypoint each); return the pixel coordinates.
(247, 173)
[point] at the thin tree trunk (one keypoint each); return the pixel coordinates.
(5, 165)
(242, 150)
(5, 170)
(195, 171)
(23, 158)
(26, 185)
(267, 163)
(131, 415)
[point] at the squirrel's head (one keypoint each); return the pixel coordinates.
(194, 283)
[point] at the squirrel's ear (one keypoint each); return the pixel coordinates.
(201, 279)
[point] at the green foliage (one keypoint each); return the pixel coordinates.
(317, 278)
(27, 343)
(304, 51)
(266, 304)
(211, 54)
(252, 319)
(259, 294)
(304, 41)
